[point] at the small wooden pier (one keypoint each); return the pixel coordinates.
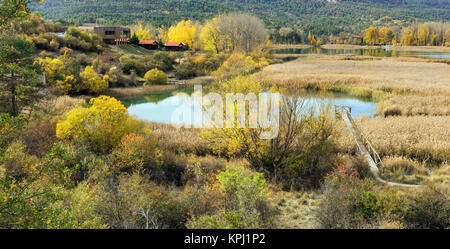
(365, 147)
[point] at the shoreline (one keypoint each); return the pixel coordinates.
(119, 92)
(349, 46)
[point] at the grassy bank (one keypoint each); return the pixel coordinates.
(144, 90)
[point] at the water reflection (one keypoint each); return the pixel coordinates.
(159, 107)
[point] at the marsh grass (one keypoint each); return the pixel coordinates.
(323, 85)
(187, 141)
(392, 75)
(415, 105)
(423, 138)
(403, 169)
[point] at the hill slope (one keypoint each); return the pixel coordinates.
(319, 15)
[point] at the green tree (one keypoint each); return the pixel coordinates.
(389, 37)
(18, 74)
(11, 9)
(134, 39)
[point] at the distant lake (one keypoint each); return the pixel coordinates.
(363, 51)
(159, 107)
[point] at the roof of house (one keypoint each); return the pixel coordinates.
(148, 42)
(174, 44)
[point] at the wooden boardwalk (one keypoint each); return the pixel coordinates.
(366, 149)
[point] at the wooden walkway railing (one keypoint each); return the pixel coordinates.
(365, 147)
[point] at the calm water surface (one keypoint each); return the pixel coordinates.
(159, 107)
(363, 51)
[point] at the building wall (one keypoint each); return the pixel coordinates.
(114, 33)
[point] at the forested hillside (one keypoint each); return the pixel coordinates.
(318, 16)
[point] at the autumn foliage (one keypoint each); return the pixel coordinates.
(101, 125)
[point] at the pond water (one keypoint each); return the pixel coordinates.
(159, 107)
(368, 52)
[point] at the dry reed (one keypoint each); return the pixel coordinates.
(423, 138)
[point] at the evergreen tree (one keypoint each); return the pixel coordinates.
(134, 39)
(18, 74)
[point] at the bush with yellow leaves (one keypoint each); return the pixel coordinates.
(155, 77)
(100, 126)
(239, 64)
(93, 82)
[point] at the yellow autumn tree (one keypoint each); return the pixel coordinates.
(144, 31)
(408, 37)
(53, 69)
(100, 126)
(385, 35)
(92, 81)
(184, 31)
(447, 37)
(423, 35)
(312, 39)
(162, 34)
(371, 35)
(209, 38)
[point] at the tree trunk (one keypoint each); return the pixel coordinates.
(14, 111)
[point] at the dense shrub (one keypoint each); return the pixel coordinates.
(129, 64)
(93, 82)
(137, 203)
(350, 202)
(82, 40)
(16, 161)
(40, 42)
(313, 156)
(100, 126)
(359, 164)
(185, 71)
(10, 127)
(136, 153)
(69, 164)
(155, 77)
(209, 63)
(338, 207)
(429, 209)
(244, 204)
(164, 61)
(40, 135)
(77, 209)
(203, 170)
(239, 64)
(83, 59)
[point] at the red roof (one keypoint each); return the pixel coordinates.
(148, 42)
(174, 44)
